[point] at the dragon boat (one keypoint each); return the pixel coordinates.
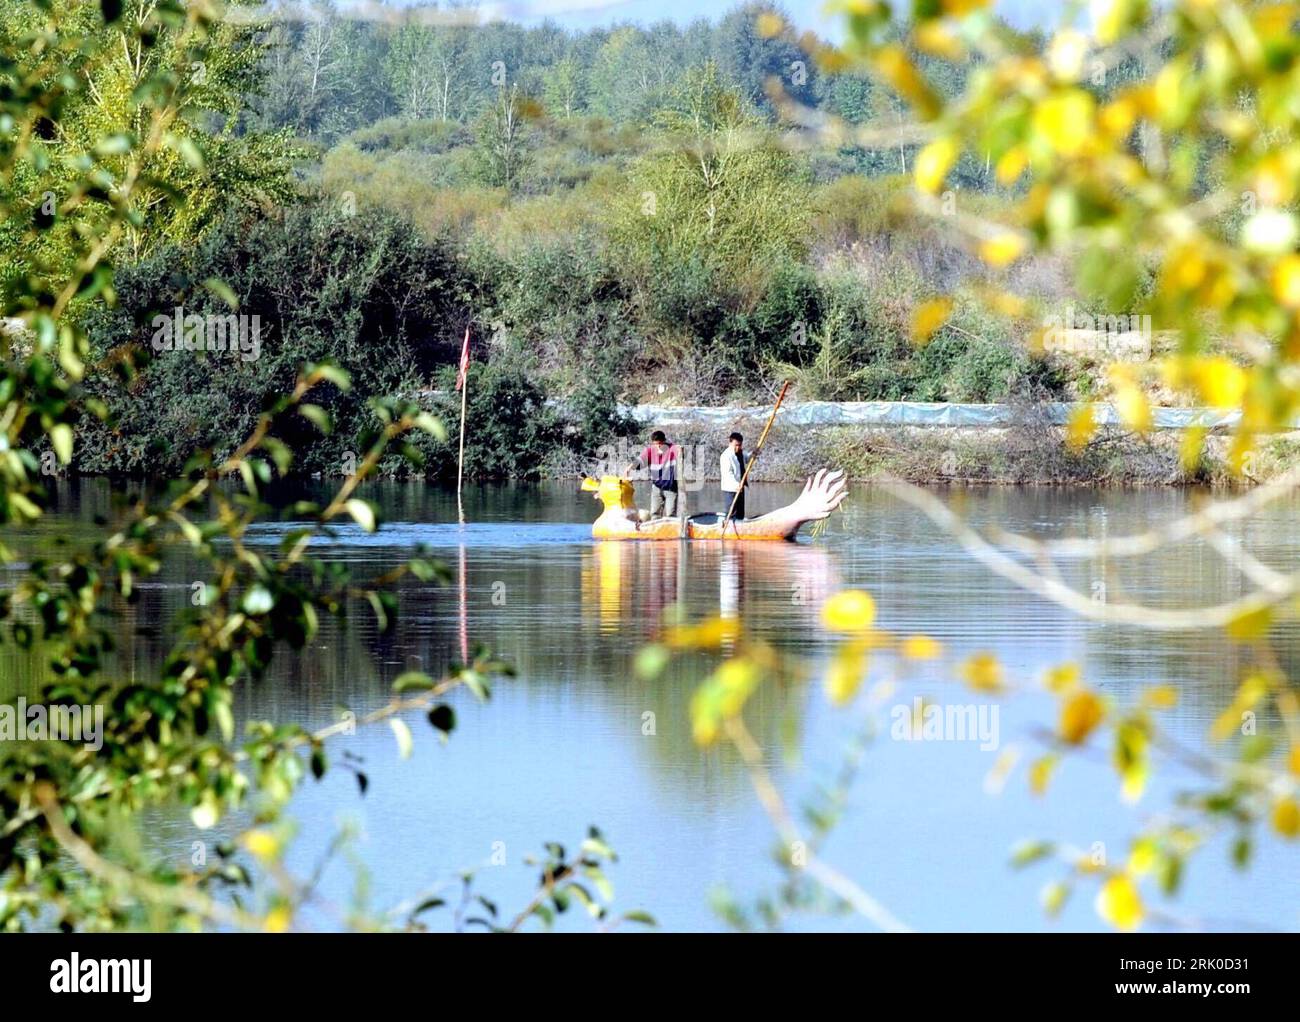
(622, 519)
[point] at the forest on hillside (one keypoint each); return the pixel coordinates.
(685, 213)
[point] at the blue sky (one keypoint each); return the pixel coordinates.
(581, 14)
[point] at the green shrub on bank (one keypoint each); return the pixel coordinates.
(362, 290)
(509, 429)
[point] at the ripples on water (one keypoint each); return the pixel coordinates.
(562, 745)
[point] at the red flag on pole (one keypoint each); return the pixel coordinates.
(464, 361)
(464, 394)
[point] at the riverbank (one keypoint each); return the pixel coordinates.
(1026, 452)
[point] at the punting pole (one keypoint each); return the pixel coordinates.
(754, 457)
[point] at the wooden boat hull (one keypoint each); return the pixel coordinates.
(821, 495)
(697, 527)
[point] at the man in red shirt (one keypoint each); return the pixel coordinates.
(661, 458)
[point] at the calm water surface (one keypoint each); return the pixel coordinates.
(562, 746)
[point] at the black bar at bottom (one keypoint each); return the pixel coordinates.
(231, 972)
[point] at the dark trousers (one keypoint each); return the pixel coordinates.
(740, 504)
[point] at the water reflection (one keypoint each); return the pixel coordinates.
(630, 585)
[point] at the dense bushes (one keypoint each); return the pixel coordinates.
(510, 431)
(369, 293)
(364, 291)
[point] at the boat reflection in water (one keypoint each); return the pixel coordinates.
(629, 586)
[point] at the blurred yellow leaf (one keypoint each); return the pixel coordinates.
(1062, 677)
(1286, 281)
(920, 647)
(849, 610)
(1080, 427)
(1144, 858)
(1011, 165)
(1113, 18)
(1131, 759)
(1173, 96)
(704, 730)
(1064, 120)
(1133, 781)
(262, 843)
(1133, 409)
(770, 24)
(844, 675)
(938, 40)
(1254, 688)
(933, 163)
(1118, 117)
(1006, 303)
(277, 920)
(1185, 268)
(1119, 904)
(1191, 448)
(1002, 249)
(831, 60)
(705, 635)
(1040, 773)
(929, 317)
(1275, 178)
(736, 680)
(983, 673)
(1080, 715)
(1222, 383)
(894, 65)
(1052, 897)
(1286, 817)
(1251, 625)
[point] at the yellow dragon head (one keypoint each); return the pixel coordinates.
(612, 491)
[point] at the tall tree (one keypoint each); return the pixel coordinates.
(207, 158)
(721, 191)
(499, 141)
(412, 70)
(627, 79)
(564, 88)
(749, 57)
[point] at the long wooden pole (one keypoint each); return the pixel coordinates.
(754, 457)
(460, 464)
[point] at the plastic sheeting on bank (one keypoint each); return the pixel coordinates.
(919, 413)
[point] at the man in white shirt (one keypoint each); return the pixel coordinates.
(732, 470)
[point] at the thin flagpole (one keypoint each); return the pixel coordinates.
(463, 384)
(460, 465)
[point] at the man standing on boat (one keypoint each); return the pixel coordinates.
(732, 470)
(661, 458)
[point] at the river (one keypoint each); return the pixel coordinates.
(577, 738)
